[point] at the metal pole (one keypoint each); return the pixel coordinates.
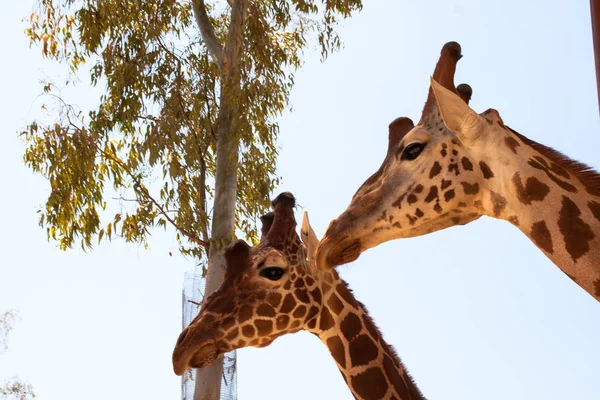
(595, 11)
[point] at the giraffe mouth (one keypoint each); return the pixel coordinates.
(203, 357)
(331, 254)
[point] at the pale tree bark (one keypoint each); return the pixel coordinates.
(208, 380)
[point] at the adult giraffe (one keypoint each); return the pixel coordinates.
(275, 289)
(456, 165)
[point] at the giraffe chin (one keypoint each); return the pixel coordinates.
(203, 357)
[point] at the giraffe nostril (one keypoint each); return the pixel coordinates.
(182, 336)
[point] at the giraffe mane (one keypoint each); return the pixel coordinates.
(588, 176)
(389, 349)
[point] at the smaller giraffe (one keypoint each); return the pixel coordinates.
(274, 289)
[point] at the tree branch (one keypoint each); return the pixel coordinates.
(193, 237)
(208, 32)
(235, 37)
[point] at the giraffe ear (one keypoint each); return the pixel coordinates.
(457, 114)
(309, 238)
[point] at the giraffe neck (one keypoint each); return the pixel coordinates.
(553, 201)
(368, 364)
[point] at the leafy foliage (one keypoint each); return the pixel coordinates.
(13, 388)
(152, 137)
(7, 319)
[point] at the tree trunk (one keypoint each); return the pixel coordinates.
(208, 380)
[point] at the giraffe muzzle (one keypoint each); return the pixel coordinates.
(331, 254)
(194, 350)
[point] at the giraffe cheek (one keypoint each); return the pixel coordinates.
(264, 327)
(282, 322)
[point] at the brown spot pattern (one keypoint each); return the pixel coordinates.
(466, 163)
(299, 312)
(233, 334)
(302, 295)
(449, 195)
(288, 304)
(470, 188)
(514, 220)
(327, 320)
(398, 202)
(454, 167)
(512, 143)
(263, 327)
(498, 203)
(362, 350)
(533, 190)
(282, 322)
(274, 299)
(541, 236)
(224, 305)
(392, 373)
(336, 348)
(432, 195)
(370, 327)
(335, 304)
(411, 219)
(555, 168)
(576, 233)
(351, 326)
(411, 199)
(343, 291)
(245, 313)
(487, 172)
(248, 331)
(544, 167)
(595, 209)
(435, 169)
(227, 323)
(370, 384)
(445, 184)
(265, 310)
(316, 295)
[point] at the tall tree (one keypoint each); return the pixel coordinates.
(187, 118)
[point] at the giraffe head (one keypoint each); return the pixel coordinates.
(268, 291)
(433, 176)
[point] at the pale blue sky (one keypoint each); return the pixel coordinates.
(475, 312)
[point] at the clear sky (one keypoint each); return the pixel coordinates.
(475, 312)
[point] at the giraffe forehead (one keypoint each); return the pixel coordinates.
(426, 132)
(273, 258)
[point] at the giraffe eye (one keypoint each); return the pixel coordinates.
(272, 273)
(412, 151)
